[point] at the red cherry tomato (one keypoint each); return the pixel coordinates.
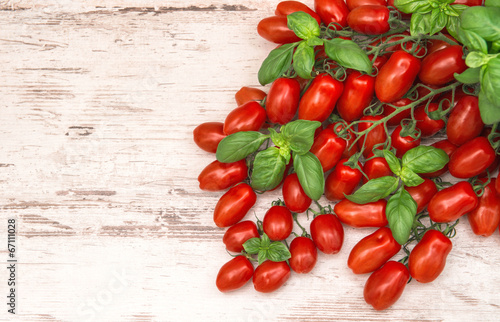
(375, 168)
(328, 147)
(471, 158)
(304, 255)
(434, 45)
(369, 19)
(447, 147)
(428, 258)
(342, 180)
(379, 62)
(285, 8)
(319, 100)
(439, 67)
(270, 276)
(485, 219)
(373, 251)
(275, 29)
(208, 135)
(234, 274)
(375, 136)
(426, 125)
(332, 11)
(396, 77)
(238, 234)
(447, 97)
(357, 95)
(294, 196)
(368, 215)
(465, 121)
(352, 4)
(470, 3)
(423, 193)
(351, 147)
(283, 100)
(386, 285)
(248, 94)
(278, 223)
(247, 117)
(402, 144)
(402, 114)
(327, 233)
(234, 205)
(219, 176)
(453, 202)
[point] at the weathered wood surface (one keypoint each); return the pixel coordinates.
(98, 103)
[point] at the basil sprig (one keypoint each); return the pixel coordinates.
(266, 249)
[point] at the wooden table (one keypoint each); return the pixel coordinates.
(98, 167)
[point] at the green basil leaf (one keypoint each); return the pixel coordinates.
(268, 169)
(237, 146)
(420, 23)
(314, 41)
(490, 81)
(453, 26)
(348, 54)
(472, 41)
(413, 6)
(410, 178)
(484, 21)
(476, 59)
(303, 60)
(469, 76)
(262, 256)
(310, 174)
(400, 211)
(278, 252)
(303, 25)
(490, 113)
(265, 241)
(438, 19)
(492, 3)
(425, 159)
(374, 190)
(392, 161)
(277, 62)
(300, 134)
(252, 246)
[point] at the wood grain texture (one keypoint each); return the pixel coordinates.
(97, 163)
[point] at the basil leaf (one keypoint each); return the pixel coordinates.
(299, 134)
(268, 169)
(303, 25)
(492, 3)
(483, 21)
(278, 252)
(438, 19)
(303, 60)
(469, 76)
(472, 41)
(425, 159)
(412, 6)
(410, 178)
(420, 23)
(237, 146)
(490, 113)
(310, 174)
(348, 54)
(314, 41)
(490, 81)
(252, 246)
(476, 59)
(265, 241)
(400, 211)
(392, 161)
(453, 26)
(262, 256)
(374, 190)
(277, 62)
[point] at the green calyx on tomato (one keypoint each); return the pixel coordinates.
(266, 249)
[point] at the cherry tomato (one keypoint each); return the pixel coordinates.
(438, 68)
(328, 147)
(327, 233)
(342, 180)
(332, 11)
(278, 223)
(369, 19)
(234, 274)
(426, 125)
(423, 193)
(238, 234)
(379, 62)
(485, 219)
(248, 94)
(453, 202)
(234, 205)
(447, 147)
(219, 176)
(294, 196)
(470, 3)
(285, 8)
(319, 100)
(351, 147)
(386, 285)
(428, 257)
(436, 44)
(465, 121)
(357, 95)
(283, 100)
(371, 214)
(471, 158)
(396, 77)
(247, 117)
(403, 114)
(402, 144)
(352, 4)
(208, 135)
(275, 29)
(375, 136)
(375, 168)
(373, 251)
(270, 276)
(304, 255)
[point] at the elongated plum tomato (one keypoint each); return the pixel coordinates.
(342, 180)
(402, 144)
(386, 285)
(247, 94)
(352, 4)
(304, 255)
(375, 136)
(294, 196)
(399, 116)
(423, 193)
(247, 117)
(270, 276)
(427, 126)
(471, 158)
(375, 168)
(278, 223)
(319, 100)
(208, 135)
(396, 77)
(373, 251)
(428, 257)
(357, 95)
(439, 67)
(283, 100)
(234, 274)
(369, 19)
(328, 147)
(485, 219)
(236, 235)
(219, 176)
(351, 147)
(436, 44)
(327, 233)
(234, 205)
(332, 11)
(371, 214)
(284, 8)
(452, 203)
(470, 3)
(448, 148)
(275, 29)
(465, 121)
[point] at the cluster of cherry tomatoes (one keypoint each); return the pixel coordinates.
(414, 85)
